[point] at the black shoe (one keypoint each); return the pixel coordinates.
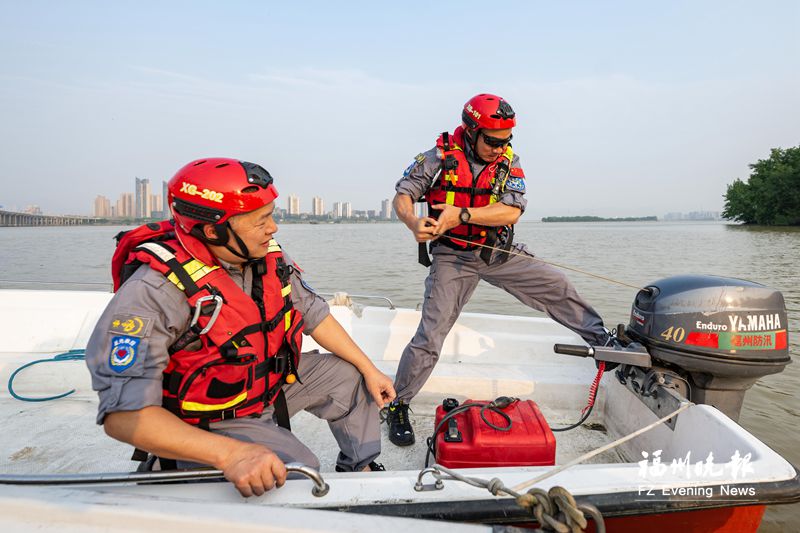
(400, 431)
(372, 467)
(376, 467)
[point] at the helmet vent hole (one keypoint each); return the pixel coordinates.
(198, 163)
(250, 189)
(222, 165)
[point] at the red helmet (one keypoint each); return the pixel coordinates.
(210, 191)
(488, 111)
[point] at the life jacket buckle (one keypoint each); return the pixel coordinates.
(198, 308)
(281, 362)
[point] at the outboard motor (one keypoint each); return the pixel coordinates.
(720, 334)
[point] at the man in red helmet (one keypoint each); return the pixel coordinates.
(197, 357)
(474, 187)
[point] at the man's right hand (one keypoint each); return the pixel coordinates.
(253, 469)
(423, 229)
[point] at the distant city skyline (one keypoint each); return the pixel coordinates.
(142, 204)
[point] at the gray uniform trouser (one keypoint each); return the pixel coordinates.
(332, 389)
(450, 283)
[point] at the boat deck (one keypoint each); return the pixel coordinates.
(484, 357)
(61, 436)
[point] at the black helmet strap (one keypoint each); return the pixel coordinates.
(223, 230)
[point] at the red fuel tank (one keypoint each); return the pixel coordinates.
(529, 441)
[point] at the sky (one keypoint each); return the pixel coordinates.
(623, 108)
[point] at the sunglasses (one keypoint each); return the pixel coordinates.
(495, 142)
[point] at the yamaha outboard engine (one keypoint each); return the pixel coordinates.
(719, 334)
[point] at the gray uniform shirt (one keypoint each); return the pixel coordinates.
(420, 175)
(149, 313)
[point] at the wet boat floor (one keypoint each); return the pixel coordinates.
(569, 444)
(61, 437)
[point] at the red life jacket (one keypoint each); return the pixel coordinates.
(248, 344)
(457, 186)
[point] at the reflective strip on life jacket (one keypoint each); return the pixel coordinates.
(158, 250)
(509, 155)
(200, 407)
(194, 269)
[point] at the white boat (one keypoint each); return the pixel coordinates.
(699, 467)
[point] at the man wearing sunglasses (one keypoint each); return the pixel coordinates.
(474, 187)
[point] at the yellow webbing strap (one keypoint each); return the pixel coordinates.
(195, 269)
(509, 155)
(196, 406)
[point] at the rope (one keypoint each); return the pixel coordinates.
(557, 510)
(533, 258)
(72, 355)
(544, 504)
(601, 449)
(554, 510)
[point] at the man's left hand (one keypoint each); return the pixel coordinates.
(380, 386)
(448, 219)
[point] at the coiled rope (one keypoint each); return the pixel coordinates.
(72, 355)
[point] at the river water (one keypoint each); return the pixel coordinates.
(381, 259)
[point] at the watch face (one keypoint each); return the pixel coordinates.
(464, 216)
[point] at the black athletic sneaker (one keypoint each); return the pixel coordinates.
(400, 431)
(372, 467)
(376, 467)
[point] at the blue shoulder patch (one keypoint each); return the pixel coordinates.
(124, 350)
(410, 167)
(307, 286)
(515, 184)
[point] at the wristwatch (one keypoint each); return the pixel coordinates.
(464, 216)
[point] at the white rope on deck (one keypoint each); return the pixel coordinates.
(598, 451)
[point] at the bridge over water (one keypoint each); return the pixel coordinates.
(11, 218)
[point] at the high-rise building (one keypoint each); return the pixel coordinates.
(293, 205)
(317, 206)
(338, 210)
(102, 207)
(157, 206)
(164, 199)
(125, 205)
(143, 205)
(347, 210)
(386, 209)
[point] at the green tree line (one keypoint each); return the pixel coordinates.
(771, 195)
